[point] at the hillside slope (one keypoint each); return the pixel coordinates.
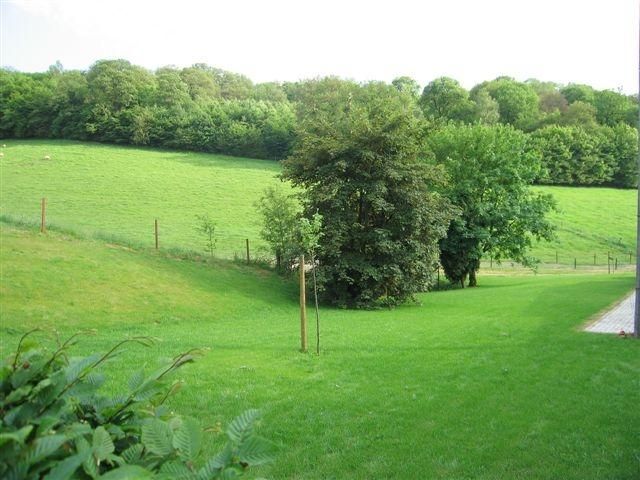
(493, 382)
(119, 191)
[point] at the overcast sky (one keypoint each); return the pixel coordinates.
(579, 41)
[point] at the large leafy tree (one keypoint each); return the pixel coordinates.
(490, 170)
(358, 160)
(407, 85)
(444, 99)
(518, 102)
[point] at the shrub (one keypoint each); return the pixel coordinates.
(56, 425)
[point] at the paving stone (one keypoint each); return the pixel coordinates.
(617, 319)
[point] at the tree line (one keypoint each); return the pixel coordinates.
(584, 136)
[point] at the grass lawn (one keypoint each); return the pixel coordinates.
(496, 382)
(119, 191)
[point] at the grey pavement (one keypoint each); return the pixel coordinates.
(618, 318)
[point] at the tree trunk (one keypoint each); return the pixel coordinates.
(473, 282)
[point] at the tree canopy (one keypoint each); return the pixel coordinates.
(358, 160)
(490, 169)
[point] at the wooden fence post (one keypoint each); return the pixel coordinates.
(556, 257)
(156, 232)
(303, 308)
(575, 263)
(248, 258)
(43, 219)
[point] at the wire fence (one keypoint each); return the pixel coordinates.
(182, 236)
(179, 235)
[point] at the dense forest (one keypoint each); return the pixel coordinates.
(583, 135)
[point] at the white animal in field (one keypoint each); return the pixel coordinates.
(47, 157)
(4, 145)
(1, 154)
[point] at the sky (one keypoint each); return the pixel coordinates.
(565, 41)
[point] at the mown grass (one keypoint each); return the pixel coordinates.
(497, 382)
(119, 191)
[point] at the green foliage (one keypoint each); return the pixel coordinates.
(56, 425)
(573, 155)
(518, 102)
(207, 226)
(490, 169)
(281, 215)
(575, 92)
(579, 113)
(196, 108)
(407, 85)
(613, 108)
(357, 157)
(444, 99)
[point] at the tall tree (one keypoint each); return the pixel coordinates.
(357, 157)
(575, 92)
(490, 169)
(407, 85)
(444, 99)
(518, 102)
(486, 109)
(613, 107)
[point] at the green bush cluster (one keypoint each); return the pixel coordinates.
(196, 108)
(56, 425)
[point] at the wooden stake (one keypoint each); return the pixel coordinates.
(156, 230)
(248, 258)
(43, 220)
(315, 297)
(303, 308)
(556, 258)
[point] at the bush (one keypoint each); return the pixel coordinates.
(56, 425)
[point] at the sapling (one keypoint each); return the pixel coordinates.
(207, 226)
(310, 234)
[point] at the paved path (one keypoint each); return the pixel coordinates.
(618, 318)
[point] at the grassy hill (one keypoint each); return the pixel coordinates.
(488, 383)
(119, 191)
(591, 221)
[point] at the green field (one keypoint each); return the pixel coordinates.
(591, 221)
(496, 382)
(119, 191)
